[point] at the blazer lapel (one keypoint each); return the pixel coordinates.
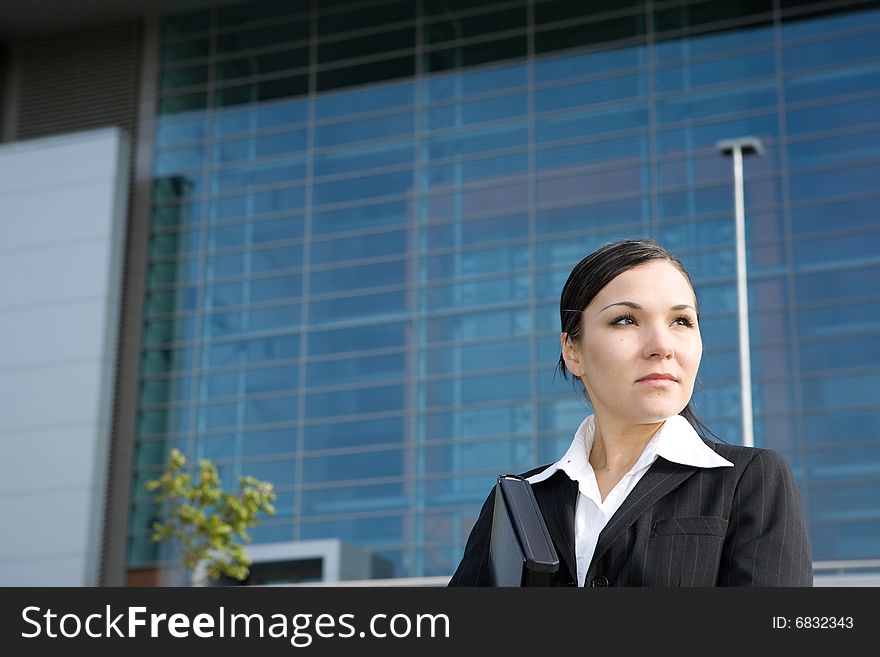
(661, 478)
(557, 497)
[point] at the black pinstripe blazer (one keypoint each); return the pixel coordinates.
(679, 526)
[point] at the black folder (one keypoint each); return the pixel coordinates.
(520, 551)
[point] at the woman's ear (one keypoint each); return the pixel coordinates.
(570, 355)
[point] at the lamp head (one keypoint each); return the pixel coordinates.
(748, 146)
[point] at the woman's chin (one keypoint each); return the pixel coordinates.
(653, 413)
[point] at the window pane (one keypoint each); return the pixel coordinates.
(351, 434)
(826, 117)
(474, 232)
(333, 23)
(474, 422)
(841, 391)
(353, 278)
(453, 86)
(579, 36)
(381, 214)
(263, 36)
(279, 143)
(842, 250)
(575, 65)
(368, 368)
(694, 15)
(270, 410)
(465, 358)
(365, 100)
(383, 304)
(479, 325)
(365, 45)
(259, 64)
(349, 499)
(381, 127)
(854, 352)
(584, 124)
(386, 184)
(502, 455)
(835, 183)
(838, 284)
(716, 72)
(475, 54)
(476, 293)
(386, 463)
(825, 83)
(348, 402)
(363, 246)
(358, 338)
(183, 77)
(852, 47)
(495, 387)
(359, 159)
(839, 320)
(590, 217)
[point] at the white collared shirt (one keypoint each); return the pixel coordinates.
(675, 441)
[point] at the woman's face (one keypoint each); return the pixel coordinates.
(640, 345)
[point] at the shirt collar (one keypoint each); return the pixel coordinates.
(675, 441)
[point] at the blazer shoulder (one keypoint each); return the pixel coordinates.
(534, 471)
(742, 456)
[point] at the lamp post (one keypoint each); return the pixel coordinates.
(737, 148)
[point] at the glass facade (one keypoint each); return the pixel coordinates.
(363, 215)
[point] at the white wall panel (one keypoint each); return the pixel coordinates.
(62, 235)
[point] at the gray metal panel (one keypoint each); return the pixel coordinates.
(94, 85)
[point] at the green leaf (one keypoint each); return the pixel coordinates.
(206, 523)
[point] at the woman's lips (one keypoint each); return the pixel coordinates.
(660, 380)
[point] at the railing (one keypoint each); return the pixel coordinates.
(856, 572)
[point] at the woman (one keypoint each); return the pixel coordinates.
(641, 498)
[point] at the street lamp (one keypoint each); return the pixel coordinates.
(737, 148)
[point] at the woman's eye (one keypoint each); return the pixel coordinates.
(624, 320)
(684, 321)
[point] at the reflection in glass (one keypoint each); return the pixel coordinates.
(724, 71)
(367, 306)
(501, 455)
(840, 321)
(351, 370)
(353, 278)
(834, 82)
(350, 434)
(376, 463)
(362, 246)
(360, 400)
(476, 294)
(852, 47)
(592, 92)
(355, 189)
(349, 499)
(470, 357)
(270, 410)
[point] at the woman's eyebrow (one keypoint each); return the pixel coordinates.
(631, 304)
(628, 304)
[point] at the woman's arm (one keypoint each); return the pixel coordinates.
(767, 542)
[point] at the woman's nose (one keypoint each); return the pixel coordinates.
(658, 343)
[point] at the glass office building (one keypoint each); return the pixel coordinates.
(363, 214)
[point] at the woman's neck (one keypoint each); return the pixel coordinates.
(617, 446)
